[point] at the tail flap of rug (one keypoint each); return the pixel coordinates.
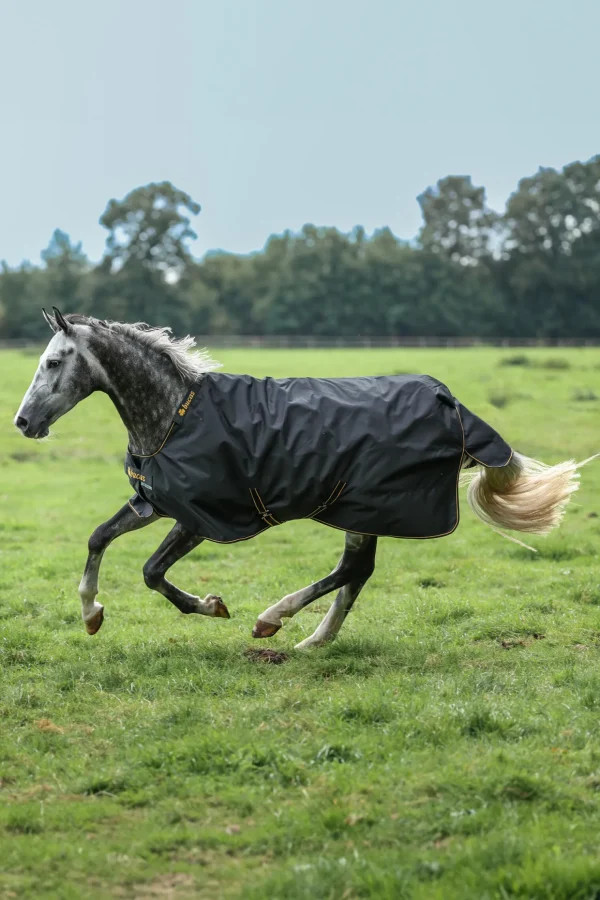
(482, 443)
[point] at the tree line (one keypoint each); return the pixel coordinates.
(532, 271)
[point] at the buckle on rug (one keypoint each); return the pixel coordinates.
(265, 514)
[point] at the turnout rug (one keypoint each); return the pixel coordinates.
(375, 455)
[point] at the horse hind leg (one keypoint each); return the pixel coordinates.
(343, 603)
(350, 566)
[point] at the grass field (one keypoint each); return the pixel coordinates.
(447, 746)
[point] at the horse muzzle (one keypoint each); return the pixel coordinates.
(31, 429)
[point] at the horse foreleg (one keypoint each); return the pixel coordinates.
(122, 522)
(351, 566)
(177, 544)
(343, 603)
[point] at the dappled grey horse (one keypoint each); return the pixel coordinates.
(229, 456)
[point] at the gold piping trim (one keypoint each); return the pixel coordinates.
(321, 505)
(160, 515)
(149, 455)
(330, 500)
(398, 537)
(135, 510)
(339, 493)
(237, 540)
(512, 453)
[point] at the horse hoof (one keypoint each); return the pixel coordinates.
(221, 611)
(213, 605)
(264, 629)
(95, 623)
(308, 644)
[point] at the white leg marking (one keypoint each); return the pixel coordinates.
(286, 607)
(88, 591)
(331, 624)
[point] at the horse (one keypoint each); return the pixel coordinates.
(379, 457)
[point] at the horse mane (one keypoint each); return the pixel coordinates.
(177, 350)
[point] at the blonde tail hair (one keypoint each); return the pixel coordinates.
(525, 495)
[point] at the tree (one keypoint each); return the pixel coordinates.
(315, 286)
(457, 222)
(550, 211)
(149, 228)
(60, 252)
(22, 293)
(146, 255)
(66, 265)
(552, 250)
(229, 280)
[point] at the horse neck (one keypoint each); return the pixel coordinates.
(145, 388)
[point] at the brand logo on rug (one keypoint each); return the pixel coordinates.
(136, 475)
(185, 406)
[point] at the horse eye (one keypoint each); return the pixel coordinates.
(53, 363)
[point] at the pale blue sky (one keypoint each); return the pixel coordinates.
(273, 113)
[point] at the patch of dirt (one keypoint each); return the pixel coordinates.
(274, 657)
(508, 645)
(47, 725)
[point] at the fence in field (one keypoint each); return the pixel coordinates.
(305, 342)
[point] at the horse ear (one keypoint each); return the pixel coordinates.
(61, 321)
(50, 321)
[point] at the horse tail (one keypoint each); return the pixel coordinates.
(524, 495)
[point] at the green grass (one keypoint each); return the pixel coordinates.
(447, 746)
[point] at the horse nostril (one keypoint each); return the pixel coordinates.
(22, 423)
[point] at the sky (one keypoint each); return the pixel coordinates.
(274, 113)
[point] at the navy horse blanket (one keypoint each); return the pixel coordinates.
(375, 455)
